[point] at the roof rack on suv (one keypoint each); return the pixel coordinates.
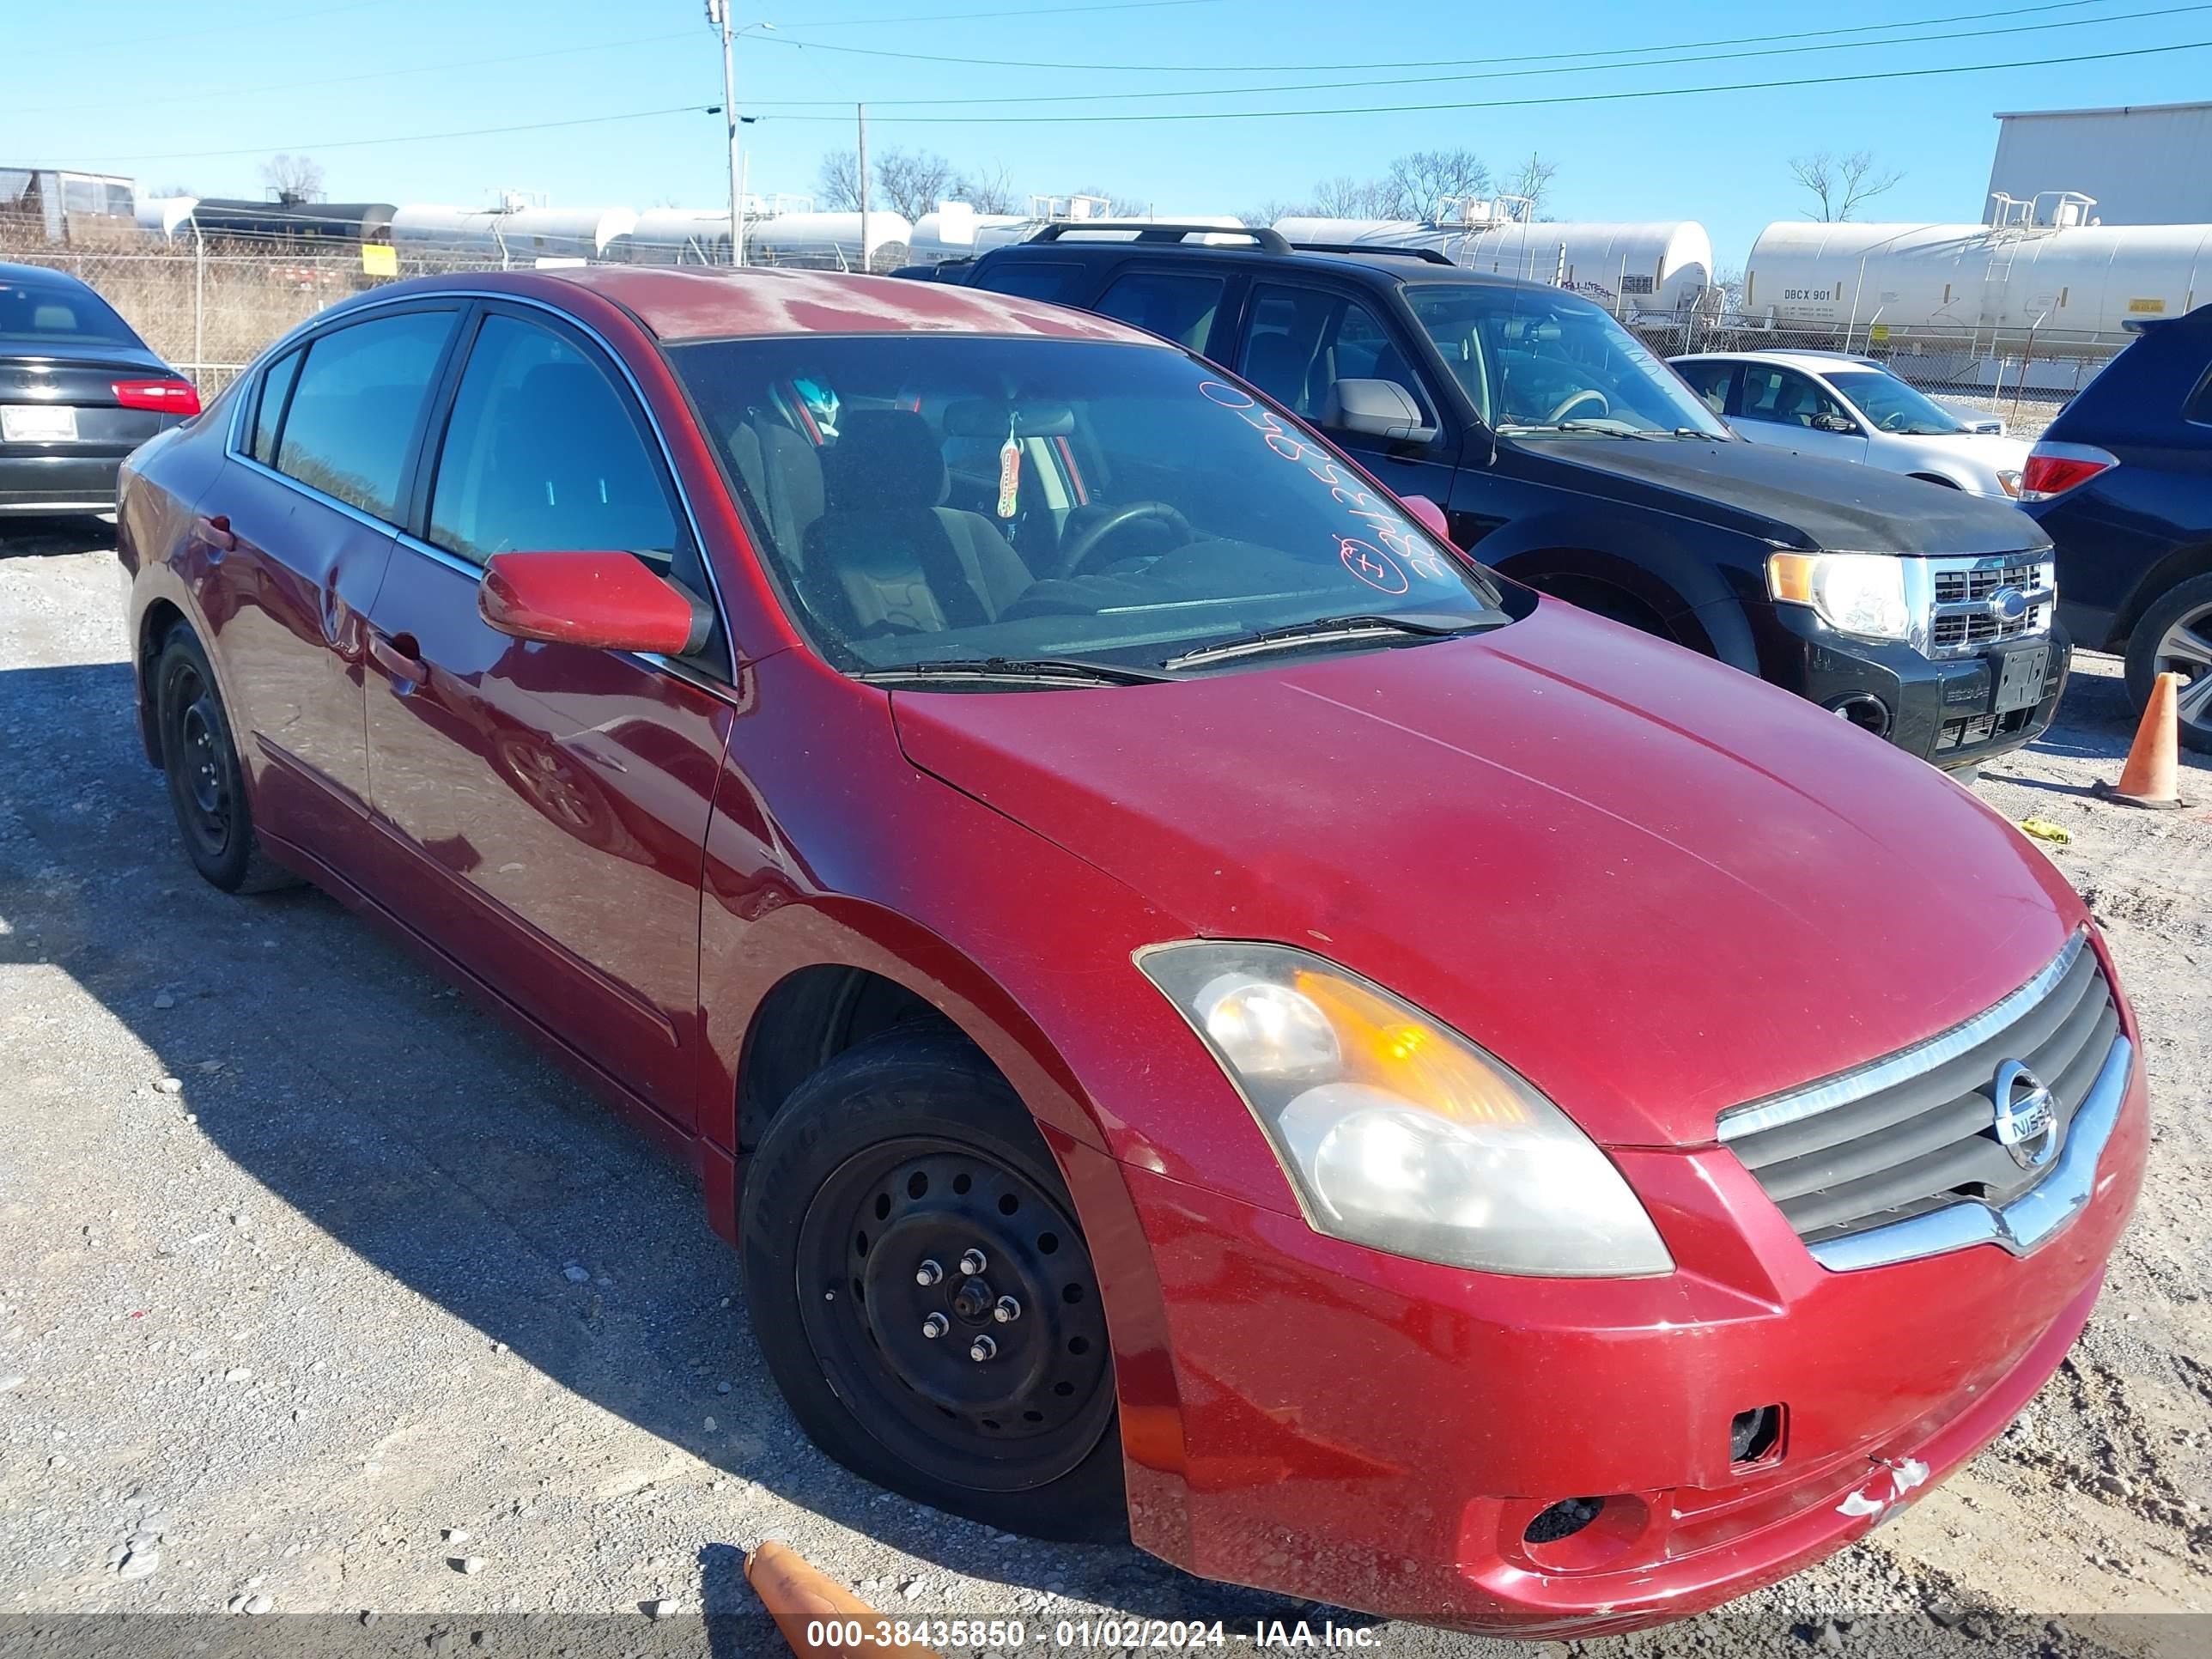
(1266, 241)
(1427, 255)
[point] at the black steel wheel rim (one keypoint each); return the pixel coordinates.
(192, 739)
(2186, 650)
(1014, 1387)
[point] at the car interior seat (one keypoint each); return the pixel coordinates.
(886, 556)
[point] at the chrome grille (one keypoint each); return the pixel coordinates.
(1917, 1132)
(1959, 617)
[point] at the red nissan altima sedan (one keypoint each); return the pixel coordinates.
(1205, 1011)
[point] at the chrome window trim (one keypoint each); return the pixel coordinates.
(1907, 1063)
(2030, 1221)
(306, 332)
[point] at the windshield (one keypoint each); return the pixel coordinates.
(1543, 359)
(981, 498)
(1890, 406)
(35, 313)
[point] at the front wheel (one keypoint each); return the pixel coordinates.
(2175, 636)
(922, 1292)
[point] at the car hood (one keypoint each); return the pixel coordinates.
(1655, 885)
(1979, 448)
(1837, 506)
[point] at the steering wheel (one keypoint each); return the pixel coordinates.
(1576, 400)
(1083, 550)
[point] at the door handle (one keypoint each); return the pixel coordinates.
(397, 655)
(215, 532)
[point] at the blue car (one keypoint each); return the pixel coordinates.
(2123, 483)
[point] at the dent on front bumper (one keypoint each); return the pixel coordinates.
(1313, 1418)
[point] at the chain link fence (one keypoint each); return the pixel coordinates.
(207, 307)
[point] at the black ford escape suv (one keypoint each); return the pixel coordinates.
(1573, 459)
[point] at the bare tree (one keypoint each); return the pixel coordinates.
(911, 182)
(989, 191)
(1346, 197)
(293, 178)
(1532, 179)
(1267, 212)
(1418, 184)
(1839, 184)
(837, 182)
(1728, 282)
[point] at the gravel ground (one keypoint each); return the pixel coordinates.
(321, 1293)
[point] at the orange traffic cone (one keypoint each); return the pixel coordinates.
(2151, 775)
(812, 1609)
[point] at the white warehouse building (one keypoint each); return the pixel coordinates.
(2146, 164)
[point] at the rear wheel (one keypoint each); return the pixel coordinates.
(207, 786)
(923, 1294)
(2175, 636)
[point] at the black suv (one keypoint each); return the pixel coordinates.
(1580, 463)
(2123, 481)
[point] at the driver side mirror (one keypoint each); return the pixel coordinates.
(1834, 424)
(607, 601)
(1375, 409)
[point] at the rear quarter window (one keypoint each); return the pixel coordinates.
(1058, 282)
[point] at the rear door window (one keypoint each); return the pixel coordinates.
(1035, 279)
(269, 412)
(358, 400)
(1710, 380)
(1179, 305)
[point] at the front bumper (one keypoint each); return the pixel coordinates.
(68, 481)
(1940, 709)
(1378, 1433)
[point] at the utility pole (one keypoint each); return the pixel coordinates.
(863, 110)
(717, 17)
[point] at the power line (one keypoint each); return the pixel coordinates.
(1415, 63)
(322, 80)
(409, 137)
(1027, 11)
(1489, 74)
(1513, 103)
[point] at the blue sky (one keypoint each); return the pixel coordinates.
(149, 87)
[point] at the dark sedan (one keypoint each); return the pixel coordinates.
(78, 391)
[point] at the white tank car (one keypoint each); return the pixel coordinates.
(828, 241)
(519, 236)
(1634, 269)
(954, 230)
(2074, 281)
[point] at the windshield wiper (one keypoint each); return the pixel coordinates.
(1067, 671)
(1329, 630)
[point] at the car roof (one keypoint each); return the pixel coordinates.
(1812, 362)
(15, 273)
(1402, 264)
(703, 302)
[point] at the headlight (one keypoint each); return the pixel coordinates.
(1860, 593)
(2009, 482)
(1398, 1134)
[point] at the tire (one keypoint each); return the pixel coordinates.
(2154, 646)
(910, 1150)
(207, 785)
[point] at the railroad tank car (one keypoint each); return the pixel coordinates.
(954, 230)
(2074, 283)
(1659, 266)
(828, 241)
(519, 235)
(244, 220)
(678, 236)
(166, 216)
